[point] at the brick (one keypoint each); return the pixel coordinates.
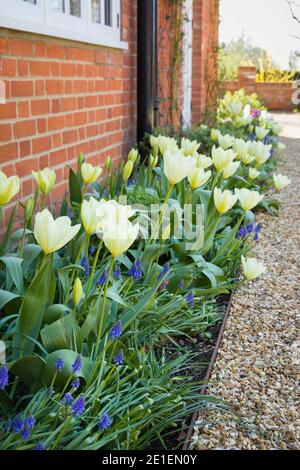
(40, 107)
(55, 52)
(58, 157)
(24, 128)
(40, 69)
(21, 88)
(41, 125)
(8, 152)
(25, 167)
(69, 137)
(8, 111)
(41, 144)
(23, 68)
(21, 47)
(23, 109)
(39, 88)
(5, 132)
(55, 123)
(4, 46)
(68, 70)
(25, 148)
(8, 67)
(54, 87)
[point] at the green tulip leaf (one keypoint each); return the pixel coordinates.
(14, 271)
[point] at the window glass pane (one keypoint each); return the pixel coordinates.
(96, 11)
(58, 5)
(108, 13)
(75, 8)
(30, 1)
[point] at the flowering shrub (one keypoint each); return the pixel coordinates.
(92, 307)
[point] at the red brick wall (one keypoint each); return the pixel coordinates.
(275, 96)
(64, 98)
(205, 43)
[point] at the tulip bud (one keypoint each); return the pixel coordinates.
(166, 232)
(108, 163)
(133, 154)
(127, 170)
(153, 161)
(29, 207)
(45, 179)
(77, 292)
(9, 187)
(80, 160)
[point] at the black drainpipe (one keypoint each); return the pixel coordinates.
(147, 66)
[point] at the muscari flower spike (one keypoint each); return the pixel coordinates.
(242, 232)
(75, 383)
(164, 271)
(85, 264)
(119, 359)
(190, 299)
(67, 399)
(39, 446)
(250, 228)
(116, 330)
(3, 377)
(102, 279)
(181, 285)
(136, 271)
(78, 407)
(104, 422)
(117, 272)
(92, 250)
(59, 364)
(76, 366)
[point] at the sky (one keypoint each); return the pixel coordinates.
(268, 23)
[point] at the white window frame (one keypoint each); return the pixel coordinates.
(40, 18)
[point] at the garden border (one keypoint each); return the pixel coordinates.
(213, 358)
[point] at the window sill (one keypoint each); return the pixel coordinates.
(47, 30)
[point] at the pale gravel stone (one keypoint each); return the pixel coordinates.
(257, 370)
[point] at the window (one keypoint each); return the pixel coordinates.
(92, 21)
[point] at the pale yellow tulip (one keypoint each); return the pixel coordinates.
(52, 234)
(45, 179)
(202, 161)
(197, 177)
(224, 201)
(230, 169)
(118, 237)
(222, 158)
(9, 187)
(261, 132)
(281, 181)
(90, 173)
(176, 166)
(91, 216)
(253, 173)
(252, 268)
(214, 135)
(248, 199)
(189, 147)
(226, 141)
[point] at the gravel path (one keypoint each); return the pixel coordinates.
(257, 370)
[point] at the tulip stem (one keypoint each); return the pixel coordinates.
(23, 238)
(85, 239)
(93, 269)
(103, 304)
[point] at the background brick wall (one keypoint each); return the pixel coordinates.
(64, 98)
(276, 96)
(205, 48)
